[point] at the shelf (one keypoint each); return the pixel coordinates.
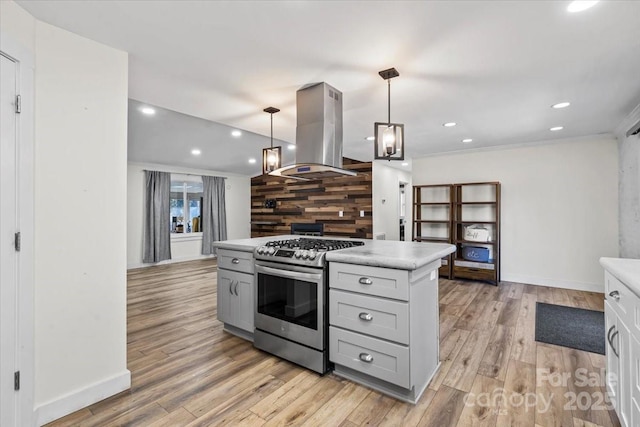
(265, 222)
(469, 261)
(471, 242)
(432, 221)
(431, 239)
(475, 203)
(476, 222)
(432, 204)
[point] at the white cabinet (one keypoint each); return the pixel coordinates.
(236, 291)
(384, 327)
(622, 350)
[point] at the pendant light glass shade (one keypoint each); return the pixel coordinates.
(271, 159)
(272, 156)
(389, 141)
(389, 137)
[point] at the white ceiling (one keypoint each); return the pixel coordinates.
(494, 67)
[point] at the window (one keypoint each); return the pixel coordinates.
(186, 204)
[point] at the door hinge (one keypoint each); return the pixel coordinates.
(16, 380)
(18, 104)
(17, 240)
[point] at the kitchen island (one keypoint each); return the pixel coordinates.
(382, 308)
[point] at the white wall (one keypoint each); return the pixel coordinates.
(80, 222)
(386, 201)
(238, 198)
(559, 206)
(629, 179)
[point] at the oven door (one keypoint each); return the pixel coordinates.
(290, 302)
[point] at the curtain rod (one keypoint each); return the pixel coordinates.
(188, 174)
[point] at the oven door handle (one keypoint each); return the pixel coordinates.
(288, 274)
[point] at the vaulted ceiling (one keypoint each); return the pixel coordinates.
(493, 67)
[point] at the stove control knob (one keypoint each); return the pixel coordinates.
(298, 254)
(262, 249)
(305, 254)
(271, 250)
(312, 255)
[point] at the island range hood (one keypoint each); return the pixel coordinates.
(318, 135)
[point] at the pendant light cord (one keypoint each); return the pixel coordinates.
(272, 131)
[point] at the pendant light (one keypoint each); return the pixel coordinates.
(271, 157)
(389, 137)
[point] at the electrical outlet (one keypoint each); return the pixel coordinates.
(362, 213)
(340, 214)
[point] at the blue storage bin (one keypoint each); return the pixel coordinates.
(475, 253)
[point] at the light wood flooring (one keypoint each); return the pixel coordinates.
(186, 371)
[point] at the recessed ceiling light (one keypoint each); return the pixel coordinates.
(449, 125)
(405, 164)
(370, 138)
(580, 5)
(556, 128)
(561, 105)
(196, 152)
(291, 147)
(148, 111)
(252, 160)
(236, 133)
(467, 140)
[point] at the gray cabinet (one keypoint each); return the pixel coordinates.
(384, 327)
(622, 350)
(236, 292)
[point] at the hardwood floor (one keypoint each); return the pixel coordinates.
(186, 371)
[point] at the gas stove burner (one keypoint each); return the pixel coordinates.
(303, 250)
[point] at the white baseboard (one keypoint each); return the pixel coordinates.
(554, 283)
(81, 398)
(169, 261)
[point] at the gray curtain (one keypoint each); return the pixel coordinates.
(157, 245)
(214, 217)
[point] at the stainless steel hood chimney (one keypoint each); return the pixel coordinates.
(318, 135)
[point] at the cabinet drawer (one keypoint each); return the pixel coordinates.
(626, 304)
(474, 273)
(380, 359)
(375, 316)
(235, 260)
(384, 282)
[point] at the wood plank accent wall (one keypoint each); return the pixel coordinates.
(316, 201)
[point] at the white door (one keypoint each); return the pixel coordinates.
(8, 254)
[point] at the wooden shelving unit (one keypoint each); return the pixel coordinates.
(478, 204)
(432, 214)
(442, 213)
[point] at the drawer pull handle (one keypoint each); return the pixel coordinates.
(231, 287)
(611, 342)
(366, 357)
(365, 316)
(615, 295)
(235, 261)
(609, 333)
(365, 281)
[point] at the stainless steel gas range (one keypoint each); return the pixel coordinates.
(291, 312)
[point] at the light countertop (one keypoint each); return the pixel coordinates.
(248, 245)
(375, 253)
(626, 270)
(392, 254)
